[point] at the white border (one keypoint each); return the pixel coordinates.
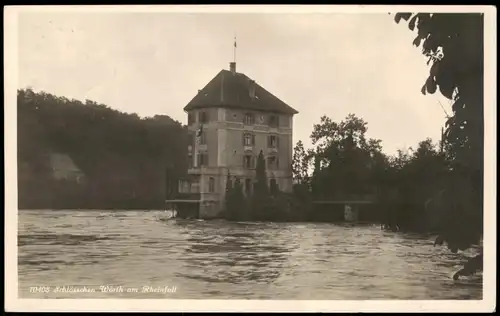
(13, 303)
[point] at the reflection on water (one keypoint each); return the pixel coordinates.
(218, 259)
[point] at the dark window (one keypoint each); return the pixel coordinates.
(190, 161)
(273, 183)
(211, 185)
(248, 119)
(203, 138)
(273, 121)
(203, 160)
(273, 186)
(191, 118)
(248, 161)
(203, 117)
(285, 122)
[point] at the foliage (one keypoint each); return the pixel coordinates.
(348, 165)
(301, 164)
(262, 208)
(454, 43)
(229, 187)
(261, 188)
(265, 203)
(238, 201)
(345, 160)
(124, 159)
(417, 177)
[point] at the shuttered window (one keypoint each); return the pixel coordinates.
(248, 139)
(249, 119)
(272, 141)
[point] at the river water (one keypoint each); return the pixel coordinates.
(134, 254)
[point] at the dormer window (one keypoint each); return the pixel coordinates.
(249, 119)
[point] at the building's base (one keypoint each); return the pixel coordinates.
(196, 209)
(210, 209)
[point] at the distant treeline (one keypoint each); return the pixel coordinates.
(124, 160)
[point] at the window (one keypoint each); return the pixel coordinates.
(203, 160)
(248, 161)
(191, 118)
(203, 117)
(285, 121)
(248, 186)
(248, 119)
(272, 162)
(272, 141)
(248, 139)
(273, 121)
(190, 161)
(229, 184)
(273, 184)
(211, 185)
(203, 138)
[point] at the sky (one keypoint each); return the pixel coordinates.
(328, 64)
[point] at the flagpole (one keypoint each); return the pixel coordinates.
(234, 49)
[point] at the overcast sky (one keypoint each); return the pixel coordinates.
(320, 64)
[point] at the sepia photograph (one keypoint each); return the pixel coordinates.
(250, 158)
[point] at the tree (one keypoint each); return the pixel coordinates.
(229, 186)
(300, 164)
(454, 43)
(261, 191)
(273, 188)
(238, 202)
(261, 187)
(344, 158)
(123, 158)
(227, 197)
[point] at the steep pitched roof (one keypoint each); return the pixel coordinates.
(232, 91)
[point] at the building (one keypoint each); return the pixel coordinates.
(63, 168)
(230, 121)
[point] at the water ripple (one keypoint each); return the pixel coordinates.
(242, 260)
